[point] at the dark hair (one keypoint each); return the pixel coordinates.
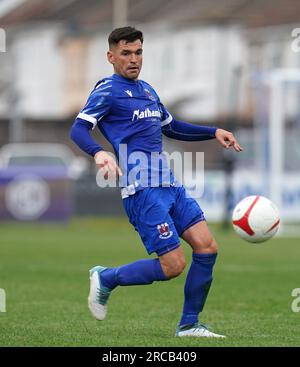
(128, 34)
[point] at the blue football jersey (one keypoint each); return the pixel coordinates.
(130, 115)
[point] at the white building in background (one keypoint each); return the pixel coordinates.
(39, 72)
(201, 72)
(53, 72)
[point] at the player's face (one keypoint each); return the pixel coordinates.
(127, 58)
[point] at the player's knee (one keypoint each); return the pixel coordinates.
(178, 267)
(207, 246)
(175, 270)
(174, 267)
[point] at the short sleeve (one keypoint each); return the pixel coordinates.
(98, 103)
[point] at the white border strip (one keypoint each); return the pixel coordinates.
(88, 118)
(167, 121)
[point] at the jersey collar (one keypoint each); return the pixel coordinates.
(122, 79)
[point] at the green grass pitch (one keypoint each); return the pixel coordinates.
(44, 272)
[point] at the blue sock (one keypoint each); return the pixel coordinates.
(138, 272)
(197, 286)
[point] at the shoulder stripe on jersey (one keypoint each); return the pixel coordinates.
(88, 118)
(103, 83)
(167, 121)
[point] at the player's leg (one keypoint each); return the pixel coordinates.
(140, 272)
(151, 219)
(194, 230)
(199, 277)
(104, 280)
(145, 271)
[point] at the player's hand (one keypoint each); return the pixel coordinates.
(107, 164)
(227, 139)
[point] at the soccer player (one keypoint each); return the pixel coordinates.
(129, 114)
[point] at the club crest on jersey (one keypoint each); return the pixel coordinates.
(164, 231)
(149, 95)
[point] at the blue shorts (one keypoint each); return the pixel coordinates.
(160, 215)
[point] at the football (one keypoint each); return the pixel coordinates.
(255, 219)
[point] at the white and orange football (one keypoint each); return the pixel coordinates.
(255, 219)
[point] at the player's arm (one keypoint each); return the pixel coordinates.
(80, 134)
(181, 130)
(185, 131)
(97, 106)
